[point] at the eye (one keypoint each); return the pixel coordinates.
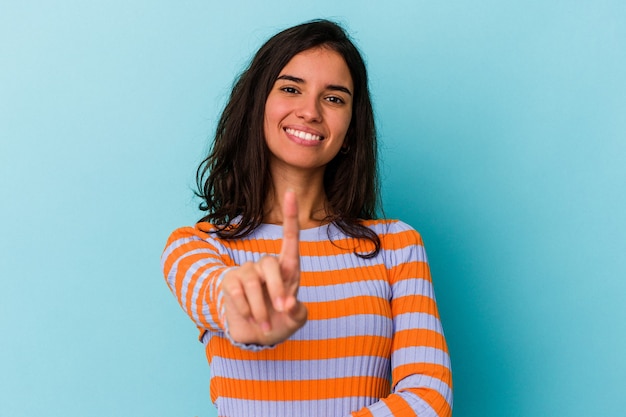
(289, 90)
(335, 99)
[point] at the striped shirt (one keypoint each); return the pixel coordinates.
(373, 344)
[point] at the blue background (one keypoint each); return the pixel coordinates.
(503, 139)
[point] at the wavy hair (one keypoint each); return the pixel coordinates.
(234, 179)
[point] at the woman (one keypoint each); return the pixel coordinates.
(306, 304)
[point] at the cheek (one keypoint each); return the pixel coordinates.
(269, 118)
(343, 123)
(274, 110)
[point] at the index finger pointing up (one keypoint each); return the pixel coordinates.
(290, 253)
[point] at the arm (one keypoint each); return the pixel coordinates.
(194, 270)
(254, 304)
(421, 375)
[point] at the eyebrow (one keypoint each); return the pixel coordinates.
(301, 81)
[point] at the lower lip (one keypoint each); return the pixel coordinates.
(303, 142)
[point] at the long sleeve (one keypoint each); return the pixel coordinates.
(368, 317)
(193, 267)
(421, 375)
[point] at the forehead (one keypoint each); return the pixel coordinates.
(319, 64)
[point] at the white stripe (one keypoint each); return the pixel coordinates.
(417, 404)
(307, 408)
(406, 254)
(411, 321)
(172, 247)
(420, 354)
(196, 293)
(172, 273)
(348, 260)
(425, 381)
(380, 409)
(193, 268)
(315, 294)
(348, 326)
(413, 286)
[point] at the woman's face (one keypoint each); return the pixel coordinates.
(308, 110)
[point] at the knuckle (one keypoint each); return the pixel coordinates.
(267, 260)
(247, 268)
(234, 292)
(290, 234)
(252, 284)
(290, 264)
(231, 288)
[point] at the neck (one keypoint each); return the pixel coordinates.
(310, 195)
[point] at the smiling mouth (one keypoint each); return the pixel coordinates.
(304, 135)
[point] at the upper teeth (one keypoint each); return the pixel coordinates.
(303, 135)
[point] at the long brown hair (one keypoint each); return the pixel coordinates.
(234, 179)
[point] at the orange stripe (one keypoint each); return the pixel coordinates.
(365, 304)
(326, 247)
(344, 276)
(419, 337)
(401, 240)
(186, 233)
(421, 368)
(414, 304)
(399, 406)
(408, 270)
(184, 265)
(213, 306)
(259, 246)
(301, 390)
(181, 253)
(363, 412)
(190, 287)
(172, 257)
(204, 229)
(434, 399)
(319, 248)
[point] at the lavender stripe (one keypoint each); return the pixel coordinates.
(300, 370)
(348, 326)
(420, 354)
(411, 321)
(313, 408)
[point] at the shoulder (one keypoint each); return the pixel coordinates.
(193, 238)
(205, 234)
(401, 244)
(201, 231)
(394, 230)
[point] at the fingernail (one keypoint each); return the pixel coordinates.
(265, 326)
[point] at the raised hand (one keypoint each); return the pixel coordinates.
(261, 297)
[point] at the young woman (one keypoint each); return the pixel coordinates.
(307, 305)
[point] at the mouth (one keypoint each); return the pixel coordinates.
(304, 135)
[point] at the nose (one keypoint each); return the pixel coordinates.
(309, 109)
